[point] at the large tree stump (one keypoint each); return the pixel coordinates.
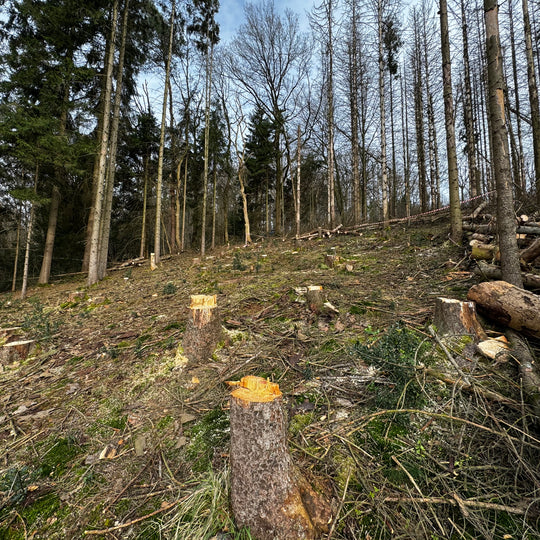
(456, 318)
(268, 494)
(508, 305)
(203, 328)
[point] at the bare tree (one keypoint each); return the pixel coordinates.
(269, 58)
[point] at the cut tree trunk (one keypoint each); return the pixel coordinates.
(531, 281)
(456, 318)
(314, 298)
(508, 305)
(203, 329)
(268, 494)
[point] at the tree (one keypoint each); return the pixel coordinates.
(506, 226)
(270, 60)
(453, 182)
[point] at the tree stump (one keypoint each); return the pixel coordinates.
(153, 264)
(268, 494)
(15, 351)
(314, 299)
(456, 318)
(203, 328)
(9, 334)
(508, 305)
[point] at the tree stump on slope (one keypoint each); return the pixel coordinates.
(268, 494)
(508, 305)
(203, 328)
(16, 350)
(314, 298)
(456, 318)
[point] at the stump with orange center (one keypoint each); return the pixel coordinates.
(268, 493)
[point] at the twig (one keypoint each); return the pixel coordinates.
(167, 506)
(341, 503)
(448, 355)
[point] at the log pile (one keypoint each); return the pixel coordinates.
(481, 232)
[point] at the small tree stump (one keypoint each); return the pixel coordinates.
(203, 329)
(15, 351)
(268, 494)
(9, 334)
(314, 299)
(456, 318)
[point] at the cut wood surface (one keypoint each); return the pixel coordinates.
(530, 253)
(268, 493)
(508, 305)
(16, 350)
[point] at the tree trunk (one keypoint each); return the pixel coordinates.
(93, 261)
(113, 145)
(384, 171)
(508, 305)
(453, 179)
(26, 267)
(268, 494)
(533, 97)
(530, 253)
(456, 318)
(49, 241)
(159, 184)
(298, 171)
(499, 142)
(474, 174)
(17, 250)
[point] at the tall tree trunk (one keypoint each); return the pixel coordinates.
(29, 233)
(159, 184)
(384, 171)
(113, 146)
(393, 198)
(506, 226)
(298, 171)
(521, 175)
(93, 263)
(330, 114)
(145, 204)
(208, 92)
(17, 250)
(214, 189)
(49, 240)
(405, 142)
(533, 97)
(453, 180)
(475, 187)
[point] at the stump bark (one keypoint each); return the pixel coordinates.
(203, 328)
(508, 305)
(15, 350)
(314, 298)
(268, 493)
(456, 318)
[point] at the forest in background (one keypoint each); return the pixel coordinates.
(276, 132)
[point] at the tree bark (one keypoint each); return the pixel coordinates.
(508, 305)
(384, 171)
(453, 179)
(533, 96)
(499, 142)
(159, 184)
(456, 318)
(268, 494)
(49, 241)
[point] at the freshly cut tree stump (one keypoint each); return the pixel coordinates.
(456, 318)
(203, 328)
(268, 493)
(16, 350)
(314, 298)
(9, 334)
(153, 264)
(508, 305)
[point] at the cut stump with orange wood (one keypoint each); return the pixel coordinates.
(203, 328)
(268, 493)
(456, 318)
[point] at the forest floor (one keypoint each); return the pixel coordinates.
(105, 433)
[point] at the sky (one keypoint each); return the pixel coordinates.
(231, 14)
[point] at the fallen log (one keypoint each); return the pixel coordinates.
(508, 305)
(489, 271)
(528, 371)
(530, 253)
(268, 493)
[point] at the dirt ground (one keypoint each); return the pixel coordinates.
(105, 432)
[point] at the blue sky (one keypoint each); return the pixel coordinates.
(231, 14)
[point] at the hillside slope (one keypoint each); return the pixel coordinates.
(104, 432)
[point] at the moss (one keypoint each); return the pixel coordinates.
(299, 422)
(58, 453)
